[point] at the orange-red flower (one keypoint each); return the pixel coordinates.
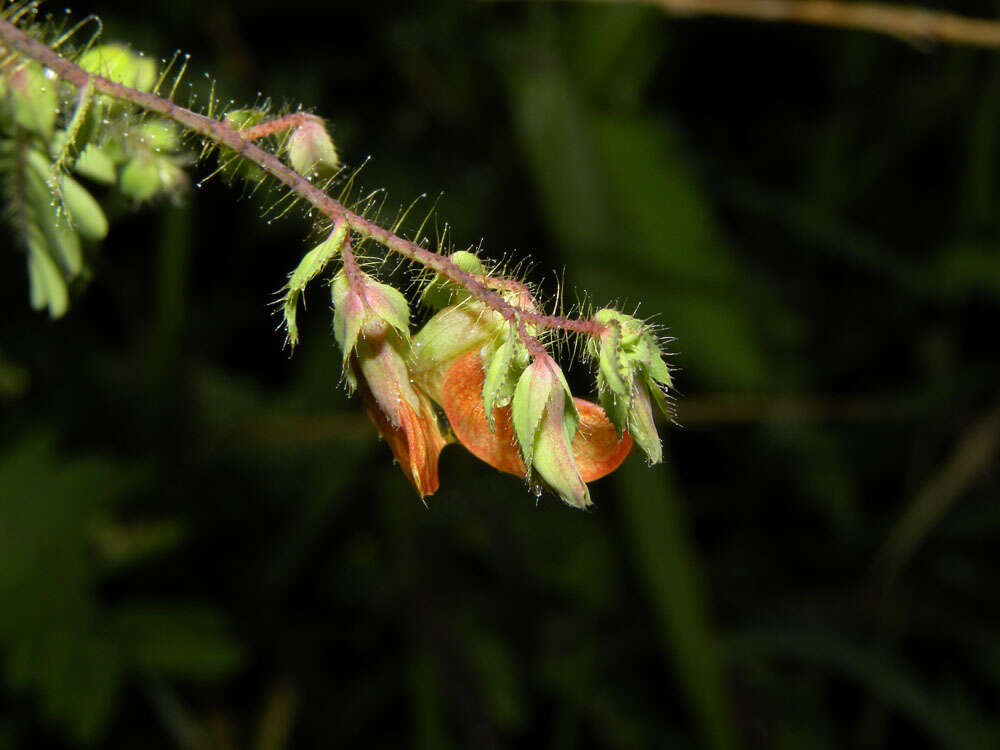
(402, 413)
(596, 448)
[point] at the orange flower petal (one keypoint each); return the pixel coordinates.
(462, 400)
(596, 447)
(416, 443)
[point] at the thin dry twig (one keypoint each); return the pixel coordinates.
(903, 22)
(974, 454)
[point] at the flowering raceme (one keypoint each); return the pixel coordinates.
(509, 408)
(478, 372)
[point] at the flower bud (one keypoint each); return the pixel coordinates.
(85, 213)
(33, 98)
(362, 306)
(310, 150)
(545, 421)
(118, 63)
(159, 135)
(402, 414)
(232, 165)
(371, 324)
(631, 372)
(147, 175)
(94, 164)
(140, 177)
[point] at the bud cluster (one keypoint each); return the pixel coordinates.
(631, 374)
(52, 133)
(145, 160)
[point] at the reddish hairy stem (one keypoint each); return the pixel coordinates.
(351, 267)
(222, 133)
(278, 125)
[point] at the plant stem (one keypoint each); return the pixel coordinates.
(223, 134)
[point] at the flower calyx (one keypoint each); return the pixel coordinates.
(371, 324)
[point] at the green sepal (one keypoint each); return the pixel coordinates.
(662, 402)
(311, 265)
(313, 262)
(531, 395)
(613, 366)
(641, 425)
(449, 334)
(389, 304)
(616, 408)
(441, 292)
(289, 312)
(348, 314)
(504, 364)
(657, 369)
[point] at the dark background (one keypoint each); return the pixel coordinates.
(202, 543)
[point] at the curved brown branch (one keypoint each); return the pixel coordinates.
(900, 21)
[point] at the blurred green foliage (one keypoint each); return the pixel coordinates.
(203, 545)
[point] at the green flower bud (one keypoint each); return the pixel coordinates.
(310, 150)
(233, 166)
(118, 63)
(140, 177)
(94, 164)
(631, 374)
(85, 213)
(638, 345)
(545, 419)
(365, 308)
(159, 135)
